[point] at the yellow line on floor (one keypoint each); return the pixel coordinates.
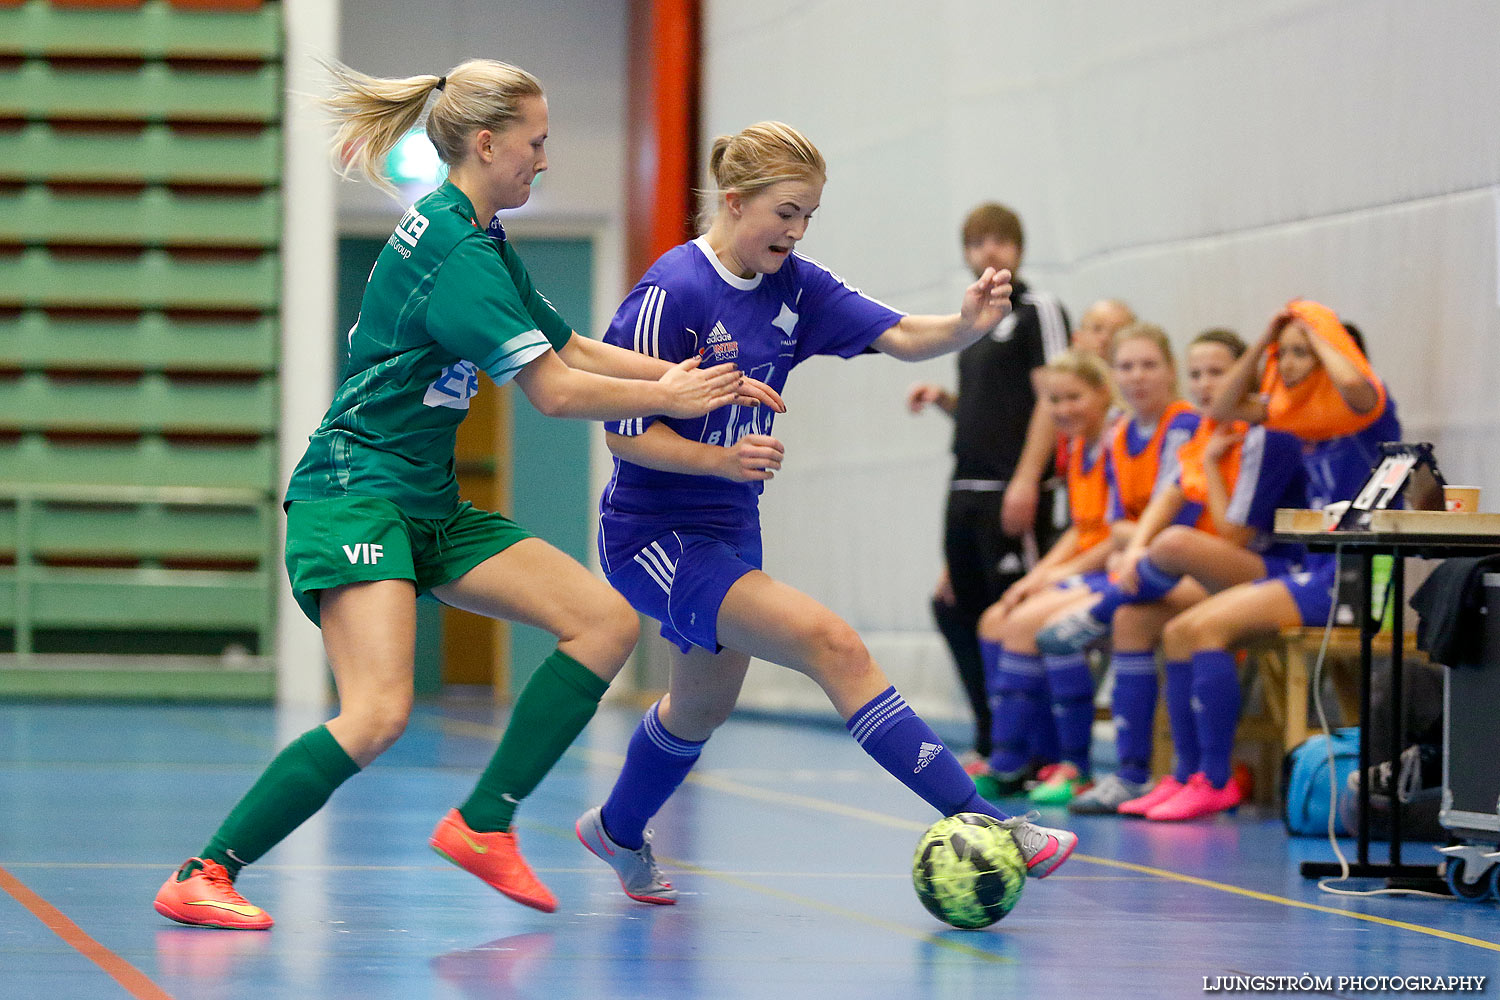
(731, 787)
(1299, 904)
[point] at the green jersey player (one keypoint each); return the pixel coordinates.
(373, 513)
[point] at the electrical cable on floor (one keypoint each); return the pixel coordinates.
(1327, 884)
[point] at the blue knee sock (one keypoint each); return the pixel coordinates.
(990, 654)
(1184, 720)
(1072, 691)
(900, 742)
(1154, 584)
(1042, 746)
(1018, 705)
(655, 764)
(1216, 706)
(1134, 711)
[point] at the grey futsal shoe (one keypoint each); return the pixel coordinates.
(1043, 847)
(639, 876)
(1072, 633)
(1107, 795)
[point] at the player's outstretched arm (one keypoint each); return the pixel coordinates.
(754, 457)
(685, 391)
(917, 338)
(606, 359)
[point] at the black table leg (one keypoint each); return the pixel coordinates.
(1396, 874)
(1397, 593)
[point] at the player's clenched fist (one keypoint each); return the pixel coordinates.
(753, 457)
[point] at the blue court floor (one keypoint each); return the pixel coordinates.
(791, 847)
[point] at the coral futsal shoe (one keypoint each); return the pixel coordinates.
(494, 858)
(200, 893)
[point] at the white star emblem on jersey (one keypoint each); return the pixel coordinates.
(785, 320)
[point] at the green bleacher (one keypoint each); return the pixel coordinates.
(140, 228)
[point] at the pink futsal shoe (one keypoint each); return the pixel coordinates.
(1164, 790)
(1197, 800)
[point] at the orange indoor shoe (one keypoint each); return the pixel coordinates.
(200, 893)
(493, 858)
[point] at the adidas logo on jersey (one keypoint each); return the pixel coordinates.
(926, 754)
(721, 347)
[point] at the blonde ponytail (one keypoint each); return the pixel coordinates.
(374, 113)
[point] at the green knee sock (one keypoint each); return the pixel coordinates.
(555, 705)
(292, 788)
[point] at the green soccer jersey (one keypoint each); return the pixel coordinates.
(443, 301)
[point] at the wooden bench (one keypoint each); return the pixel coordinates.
(1277, 714)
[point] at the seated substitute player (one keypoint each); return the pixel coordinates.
(679, 534)
(373, 511)
(1318, 385)
(1142, 452)
(1237, 474)
(1080, 396)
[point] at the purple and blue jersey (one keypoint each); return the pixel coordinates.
(689, 304)
(1271, 476)
(1336, 469)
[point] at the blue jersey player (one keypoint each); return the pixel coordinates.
(1315, 383)
(680, 529)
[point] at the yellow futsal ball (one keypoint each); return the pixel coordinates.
(968, 871)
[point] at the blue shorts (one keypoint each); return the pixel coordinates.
(1313, 591)
(1280, 566)
(680, 579)
(1095, 581)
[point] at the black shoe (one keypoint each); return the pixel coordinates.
(1421, 767)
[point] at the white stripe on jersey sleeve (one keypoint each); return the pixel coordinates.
(1049, 315)
(661, 300)
(1168, 468)
(1252, 456)
(648, 321)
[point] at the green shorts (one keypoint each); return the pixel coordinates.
(354, 539)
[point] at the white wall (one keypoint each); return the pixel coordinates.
(1206, 162)
(577, 48)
